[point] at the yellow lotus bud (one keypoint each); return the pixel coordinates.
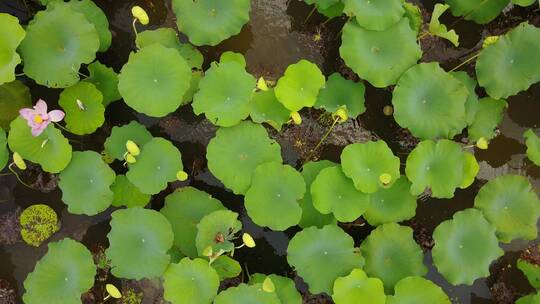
(113, 291)
(248, 240)
(130, 159)
(19, 161)
(342, 114)
(140, 14)
(297, 119)
(261, 84)
(482, 143)
(207, 252)
(181, 175)
(385, 178)
(489, 41)
(132, 148)
(268, 285)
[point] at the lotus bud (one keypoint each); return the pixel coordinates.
(385, 178)
(342, 114)
(19, 161)
(261, 84)
(207, 252)
(268, 285)
(113, 291)
(482, 143)
(489, 41)
(388, 110)
(297, 119)
(140, 14)
(130, 159)
(248, 240)
(181, 175)
(132, 148)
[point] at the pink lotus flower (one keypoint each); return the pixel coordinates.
(38, 119)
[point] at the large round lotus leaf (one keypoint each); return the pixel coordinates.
(342, 93)
(85, 184)
(12, 35)
(184, 209)
(38, 223)
(417, 290)
(272, 199)
(310, 215)
(50, 149)
(157, 165)
(190, 282)
(139, 240)
(430, 102)
(364, 163)
(488, 116)
(235, 152)
(115, 144)
(247, 294)
(533, 146)
(154, 80)
(333, 192)
(266, 108)
(285, 287)
(379, 57)
(61, 276)
(392, 254)
(218, 230)
(358, 288)
(126, 194)
(479, 11)
(226, 267)
(106, 81)
(471, 105)
(391, 205)
(467, 239)
(84, 109)
(511, 204)
(208, 22)
(58, 40)
(13, 97)
(375, 15)
(300, 85)
(224, 94)
(322, 255)
(4, 152)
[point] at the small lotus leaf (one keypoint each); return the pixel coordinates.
(342, 93)
(300, 85)
(479, 11)
(247, 294)
(285, 287)
(38, 223)
(192, 55)
(322, 4)
(533, 146)
(417, 290)
(115, 144)
(391, 205)
(438, 29)
(226, 267)
(531, 271)
(471, 105)
(467, 239)
(488, 116)
(196, 77)
(266, 108)
(529, 299)
(4, 152)
(233, 56)
(414, 14)
(470, 170)
(13, 97)
(12, 35)
(190, 282)
(84, 109)
(217, 230)
(106, 81)
(523, 2)
(375, 15)
(310, 215)
(322, 255)
(126, 194)
(333, 11)
(141, 238)
(358, 288)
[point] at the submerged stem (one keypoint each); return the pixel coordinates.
(422, 36)
(10, 167)
(341, 31)
(322, 140)
(465, 62)
(310, 14)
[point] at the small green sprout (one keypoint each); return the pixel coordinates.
(132, 148)
(140, 15)
(261, 84)
(248, 240)
(482, 143)
(296, 118)
(112, 292)
(182, 176)
(19, 161)
(268, 285)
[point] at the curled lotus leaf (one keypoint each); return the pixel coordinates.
(414, 14)
(340, 93)
(380, 57)
(300, 85)
(470, 170)
(85, 184)
(467, 239)
(115, 144)
(84, 109)
(479, 11)
(13, 97)
(106, 81)
(358, 288)
(38, 223)
(12, 35)
(272, 199)
(196, 77)
(310, 215)
(126, 194)
(391, 205)
(247, 294)
(531, 271)
(139, 237)
(417, 290)
(438, 29)
(533, 146)
(488, 116)
(62, 275)
(471, 105)
(285, 287)
(233, 56)
(4, 152)
(375, 15)
(226, 267)
(190, 282)
(322, 255)
(217, 230)
(266, 108)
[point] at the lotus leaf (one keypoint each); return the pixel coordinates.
(479, 11)
(364, 163)
(300, 85)
(414, 14)
(489, 115)
(310, 215)
(235, 152)
(358, 288)
(184, 209)
(417, 290)
(232, 56)
(4, 152)
(217, 230)
(50, 149)
(531, 271)
(12, 35)
(285, 287)
(126, 194)
(529, 299)
(224, 94)
(139, 237)
(272, 199)
(58, 40)
(226, 267)
(208, 22)
(115, 144)
(84, 109)
(438, 29)
(106, 81)
(533, 146)
(380, 57)
(471, 105)
(467, 239)
(154, 80)
(38, 223)
(13, 97)
(322, 255)
(470, 170)
(391, 205)
(196, 77)
(523, 2)
(266, 108)
(61, 276)
(342, 93)
(331, 11)
(323, 4)
(190, 282)
(246, 294)
(375, 15)
(430, 102)
(157, 165)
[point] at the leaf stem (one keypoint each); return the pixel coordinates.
(10, 167)
(423, 35)
(341, 31)
(135, 31)
(322, 140)
(465, 62)
(310, 14)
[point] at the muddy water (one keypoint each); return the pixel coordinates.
(276, 37)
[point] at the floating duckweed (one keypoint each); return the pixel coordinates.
(38, 223)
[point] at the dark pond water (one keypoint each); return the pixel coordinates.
(276, 37)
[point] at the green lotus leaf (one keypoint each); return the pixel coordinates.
(375, 15)
(300, 85)
(218, 230)
(285, 287)
(13, 97)
(364, 163)
(84, 109)
(479, 11)
(224, 94)
(38, 223)
(154, 80)
(12, 35)
(184, 209)
(380, 57)
(531, 271)
(470, 170)
(430, 102)
(106, 81)
(414, 14)
(61, 276)
(235, 152)
(322, 255)
(141, 238)
(489, 115)
(533, 146)
(50, 149)
(196, 77)
(192, 55)
(471, 105)
(4, 152)
(58, 40)
(85, 184)
(266, 108)
(272, 199)
(190, 281)
(438, 29)
(226, 267)
(467, 239)
(510, 203)
(333, 192)
(339, 93)
(322, 4)
(126, 194)
(529, 299)
(515, 56)
(115, 144)
(417, 290)
(523, 2)
(391, 205)
(208, 22)
(332, 11)
(233, 56)
(392, 254)
(310, 215)
(247, 294)
(156, 166)
(358, 288)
